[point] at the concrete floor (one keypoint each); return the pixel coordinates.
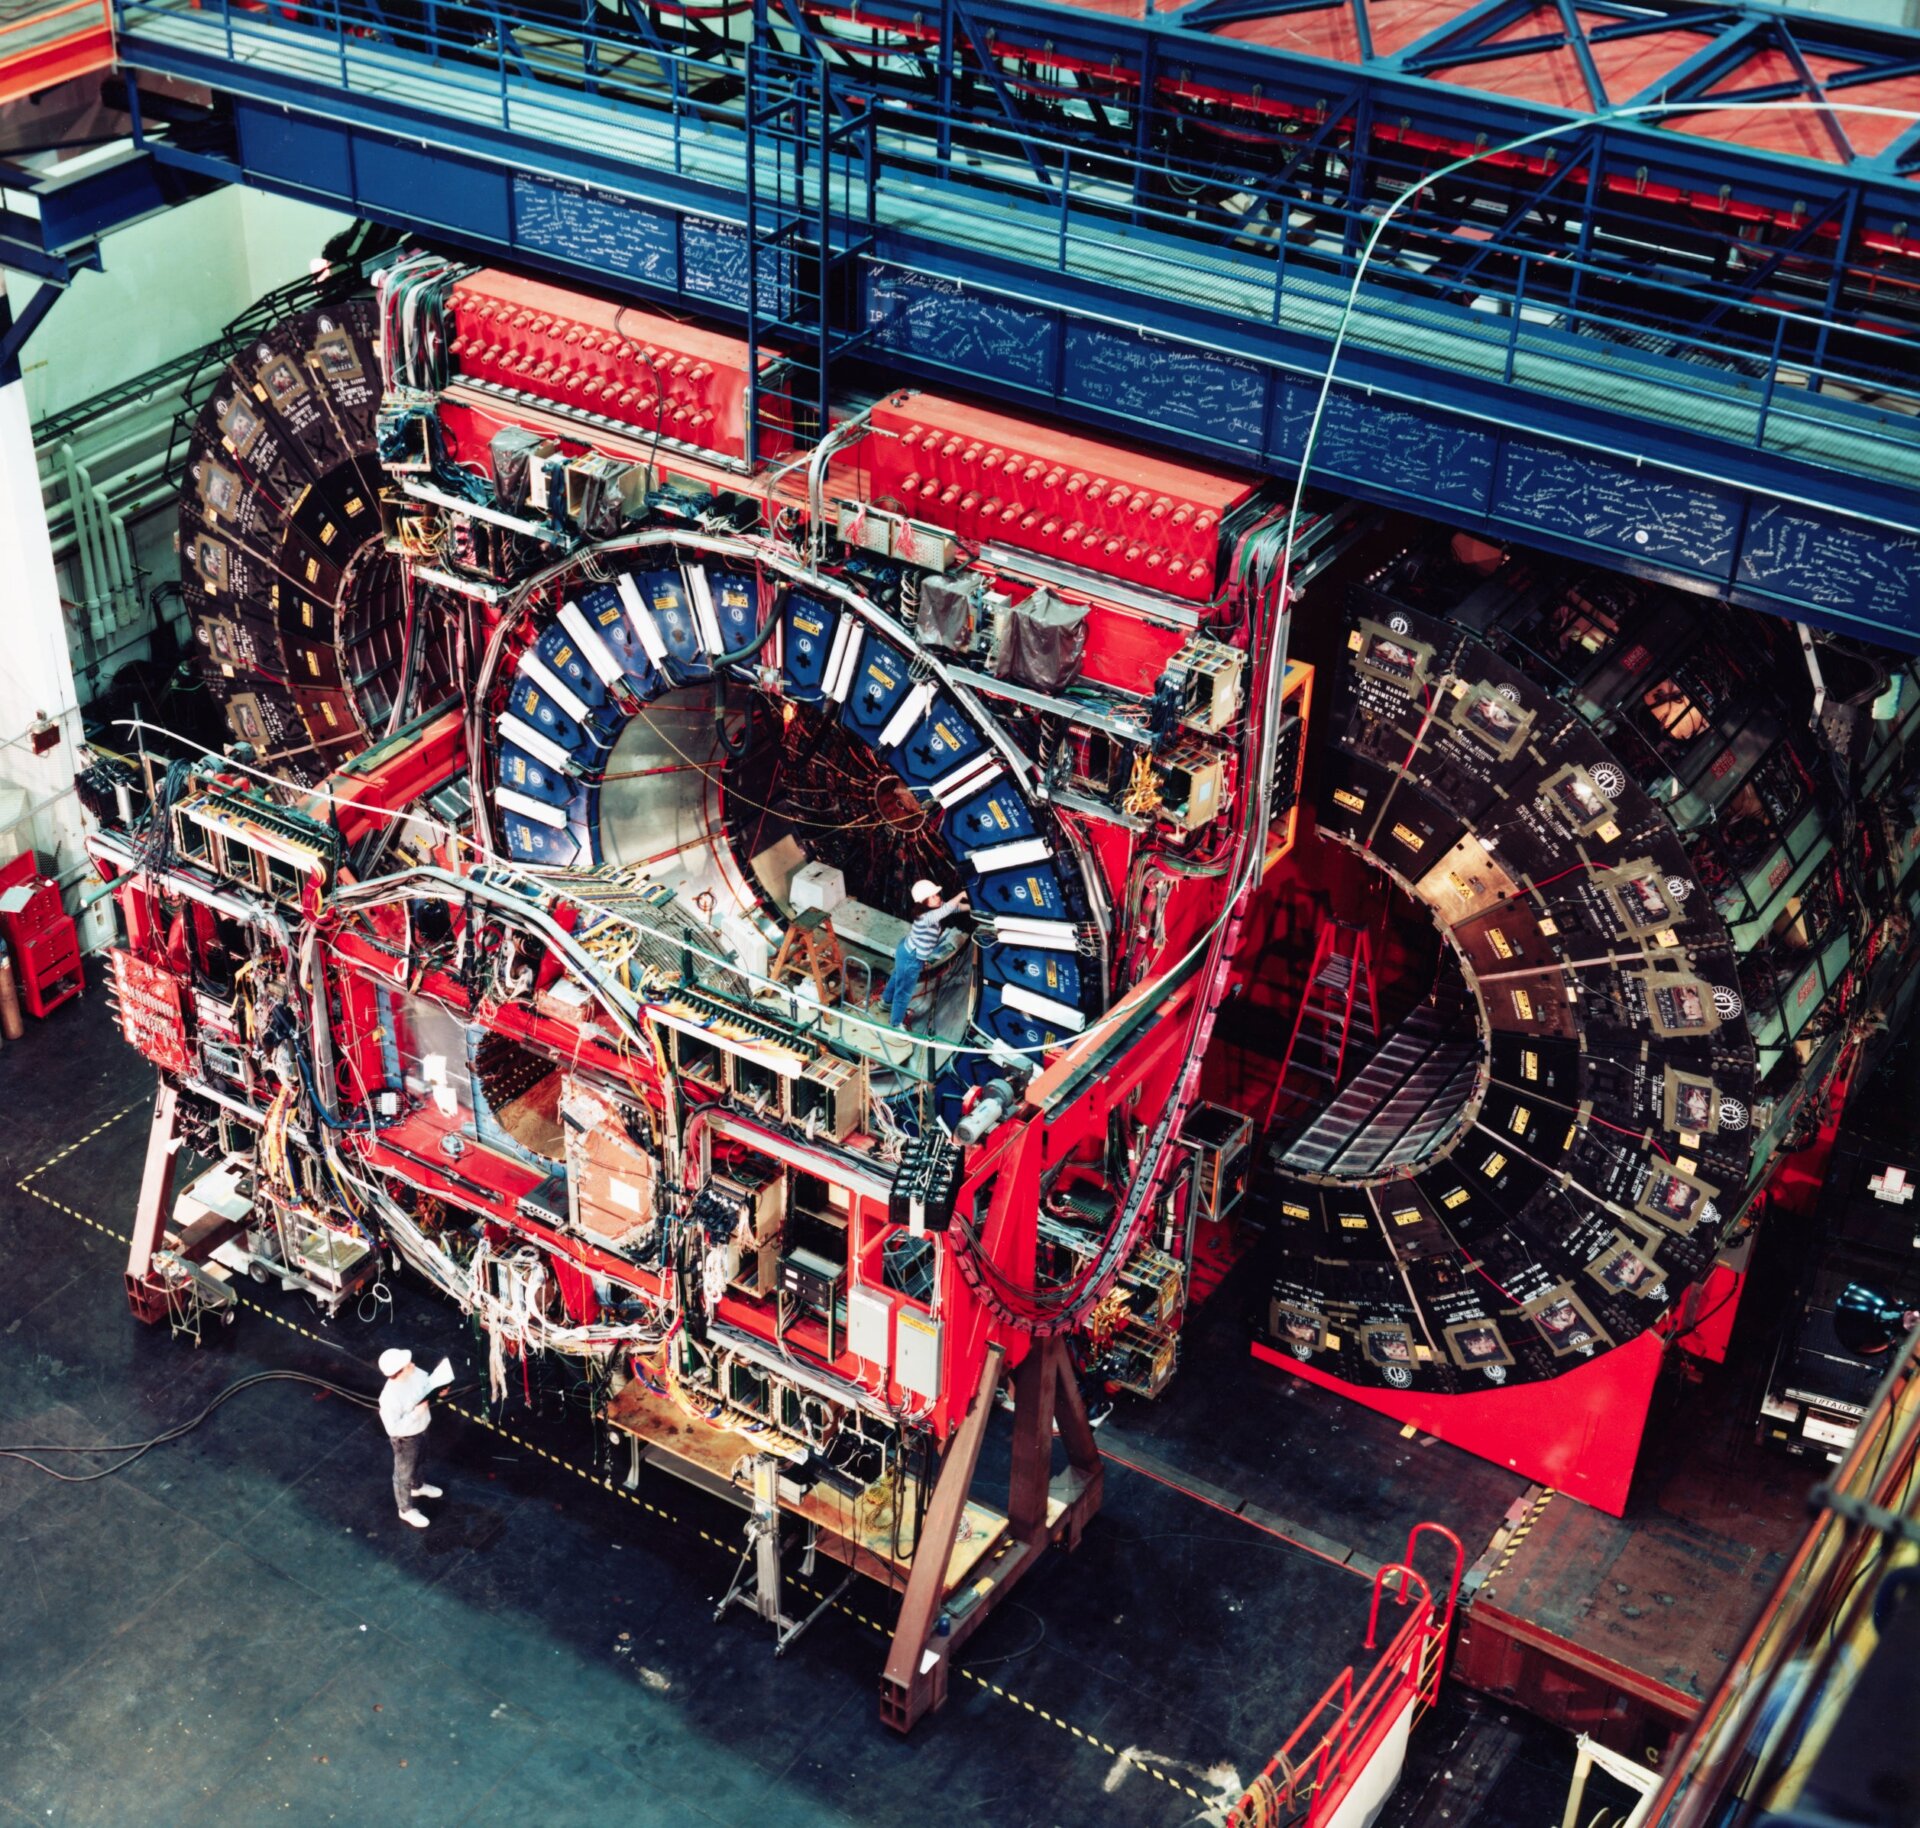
(235, 1629)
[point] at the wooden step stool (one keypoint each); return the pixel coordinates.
(811, 948)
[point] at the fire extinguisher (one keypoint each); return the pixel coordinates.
(11, 1024)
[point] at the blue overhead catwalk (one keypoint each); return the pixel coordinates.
(1634, 282)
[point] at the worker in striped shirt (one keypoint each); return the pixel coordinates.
(922, 941)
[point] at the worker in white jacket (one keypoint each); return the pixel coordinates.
(403, 1408)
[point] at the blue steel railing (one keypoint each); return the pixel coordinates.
(1556, 327)
(1540, 333)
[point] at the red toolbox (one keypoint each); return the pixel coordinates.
(48, 968)
(29, 901)
(41, 935)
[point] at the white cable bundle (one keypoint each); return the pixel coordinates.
(716, 1270)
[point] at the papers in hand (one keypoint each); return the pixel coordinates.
(440, 1376)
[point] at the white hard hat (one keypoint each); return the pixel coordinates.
(923, 890)
(394, 1360)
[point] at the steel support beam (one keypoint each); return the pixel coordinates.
(356, 144)
(14, 331)
(155, 1207)
(1043, 1511)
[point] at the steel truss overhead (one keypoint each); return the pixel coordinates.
(1681, 342)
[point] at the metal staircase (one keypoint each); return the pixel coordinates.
(1339, 999)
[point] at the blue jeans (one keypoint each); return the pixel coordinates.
(907, 966)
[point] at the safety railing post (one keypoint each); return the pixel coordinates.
(870, 154)
(943, 132)
(500, 62)
(1066, 175)
(675, 113)
(823, 230)
(752, 111)
(1773, 379)
(1515, 313)
(1407, 1576)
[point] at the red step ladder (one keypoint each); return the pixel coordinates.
(1339, 999)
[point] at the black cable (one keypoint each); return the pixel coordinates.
(1027, 1649)
(734, 751)
(327, 1117)
(135, 1450)
(1694, 1326)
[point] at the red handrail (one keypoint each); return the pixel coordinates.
(1307, 1779)
(1406, 1558)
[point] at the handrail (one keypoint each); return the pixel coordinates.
(1415, 222)
(1318, 1765)
(11, 21)
(1124, 164)
(1014, 177)
(1534, 327)
(1406, 1564)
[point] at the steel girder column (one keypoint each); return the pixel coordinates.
(145, 1295)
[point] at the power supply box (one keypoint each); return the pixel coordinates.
(1222, 1143)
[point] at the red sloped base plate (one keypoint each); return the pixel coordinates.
(1579, 1434)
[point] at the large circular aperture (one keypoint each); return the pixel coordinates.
(827, 738)
(1586, 1177)
(804, 782)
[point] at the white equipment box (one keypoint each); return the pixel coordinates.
(817, 887)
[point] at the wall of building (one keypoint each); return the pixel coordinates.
(169, 285)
